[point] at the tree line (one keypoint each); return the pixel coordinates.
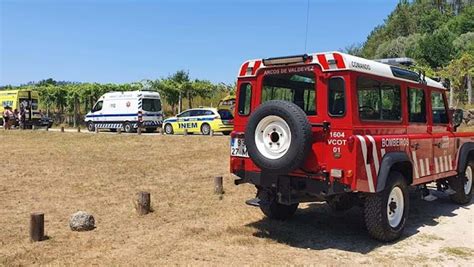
(67, 102)
(438, 34)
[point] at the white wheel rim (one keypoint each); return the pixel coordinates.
(168, 129)
(205, 129)
(468, 182)
(273, 137)
(395, 207)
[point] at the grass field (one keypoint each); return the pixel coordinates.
(61, 173)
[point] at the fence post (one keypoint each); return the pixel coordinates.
(96, 129)
(139, 130)
(143, 203)
(185, 132)
(119, 130)
(37, 226)
(211, 133)
(33, 127)
(62, 129)
(218, 186)
(78, 129)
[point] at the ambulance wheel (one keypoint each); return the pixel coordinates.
(90, 126)
(168, 129)
(205, 129)
(386, 212)
(272, 209)
(128, 127)
(278, 136)
(462, 184)
(226, 133)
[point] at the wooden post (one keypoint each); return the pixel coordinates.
(37, 226)
(47, 128)
(185, 132)
(78, 129)
(162, 132)
(211, 133)
(143, 203)
(139, 130)
(96, 129)
(33, 127)
(218, 186)
(119, 130)
(62, 129)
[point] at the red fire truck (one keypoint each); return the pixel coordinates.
(335, 127)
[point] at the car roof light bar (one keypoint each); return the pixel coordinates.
(286, 60)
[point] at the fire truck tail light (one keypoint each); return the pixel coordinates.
(286, 60)
(336, 173)
(349, 174)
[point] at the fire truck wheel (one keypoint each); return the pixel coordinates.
(128, 127)
(168, 129)
(278, 136)
(462, 185)
(340, 202)
(386, 212)
(90, 126)
(272, 209)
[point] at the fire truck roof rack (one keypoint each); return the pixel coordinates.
(286, 60)
(398, 61)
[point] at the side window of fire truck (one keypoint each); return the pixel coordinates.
(245, 95)
(416, 105)
(336, 103)
(298, 88)
(378, 101)
(439, 108)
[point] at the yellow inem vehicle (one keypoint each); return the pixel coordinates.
(200, 120)
(14, 98)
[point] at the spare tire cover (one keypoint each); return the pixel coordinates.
(278, 136)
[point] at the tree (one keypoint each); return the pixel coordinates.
(461, 72)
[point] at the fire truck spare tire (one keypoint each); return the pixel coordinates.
(278, 136)
(386, 212)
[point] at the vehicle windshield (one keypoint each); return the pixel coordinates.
(225, 114)
(298, 88)
(151, 104)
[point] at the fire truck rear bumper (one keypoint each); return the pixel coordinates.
(293, 186)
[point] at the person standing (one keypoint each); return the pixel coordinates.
(7, 116)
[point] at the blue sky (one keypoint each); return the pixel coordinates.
(125, 41)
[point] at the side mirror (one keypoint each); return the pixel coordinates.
(457, 117)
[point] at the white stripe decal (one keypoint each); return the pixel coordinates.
(450, 162)
(422, 167)
(415, 164)
(382, 152)
(427, 163)
(447, 168)
(374, 154)
(441, 164)
(363, 146)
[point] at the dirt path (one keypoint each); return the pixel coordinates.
(61, 173)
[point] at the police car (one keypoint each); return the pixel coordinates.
(200, 120)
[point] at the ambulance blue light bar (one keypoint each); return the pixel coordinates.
(286, 60)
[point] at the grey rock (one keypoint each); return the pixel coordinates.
(82, 221)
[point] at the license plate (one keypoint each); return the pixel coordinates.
(238, 148)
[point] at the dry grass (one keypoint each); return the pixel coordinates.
(60, 173)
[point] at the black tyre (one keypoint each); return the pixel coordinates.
(128, 127)
(150, 130)
(462, 184)
(386, 212)
(272, 209)
(226, 133)
(205, 129)
(90, 126)
(168, 129)
(341, 202)
(278, 136)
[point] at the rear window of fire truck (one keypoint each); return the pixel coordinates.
(439, 108)
(245, 95)
(378, 100)
(297, 88)
(336, 103)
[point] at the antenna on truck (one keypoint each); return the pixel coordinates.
(307, 23)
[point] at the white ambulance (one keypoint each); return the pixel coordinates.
(126, 110)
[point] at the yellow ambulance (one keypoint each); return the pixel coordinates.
(29, 99)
